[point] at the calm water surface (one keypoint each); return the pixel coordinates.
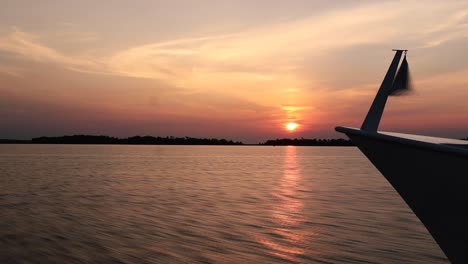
(202, 204)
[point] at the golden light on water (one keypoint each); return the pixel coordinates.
(287, 214)
(291, 126)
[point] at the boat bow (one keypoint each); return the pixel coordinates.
(429, 173)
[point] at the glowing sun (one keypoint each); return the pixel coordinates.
(291, 126)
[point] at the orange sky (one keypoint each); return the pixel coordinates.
(232, 69)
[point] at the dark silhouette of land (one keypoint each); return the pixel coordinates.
(308, 142)
(136, 140)
(150, 140)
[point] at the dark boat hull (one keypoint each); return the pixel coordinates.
(433, 181)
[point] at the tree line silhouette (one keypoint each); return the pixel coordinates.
(170, 140)
(136, 140)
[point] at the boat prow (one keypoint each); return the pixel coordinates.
(429, 173)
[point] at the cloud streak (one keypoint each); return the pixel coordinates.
(264, 52)
(27, 46)
(11, 70)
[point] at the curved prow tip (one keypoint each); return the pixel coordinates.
(372, 121)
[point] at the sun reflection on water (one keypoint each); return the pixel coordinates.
(287, 215)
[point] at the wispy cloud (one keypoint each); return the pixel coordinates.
(28, 46)
(264, 53)
(11, 70)
(259, 53)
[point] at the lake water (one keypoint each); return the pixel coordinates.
(202, 204)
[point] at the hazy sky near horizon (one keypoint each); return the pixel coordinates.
(232, 69)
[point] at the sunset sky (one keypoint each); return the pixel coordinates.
(228, 69)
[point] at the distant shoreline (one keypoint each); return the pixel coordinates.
(185, 141)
